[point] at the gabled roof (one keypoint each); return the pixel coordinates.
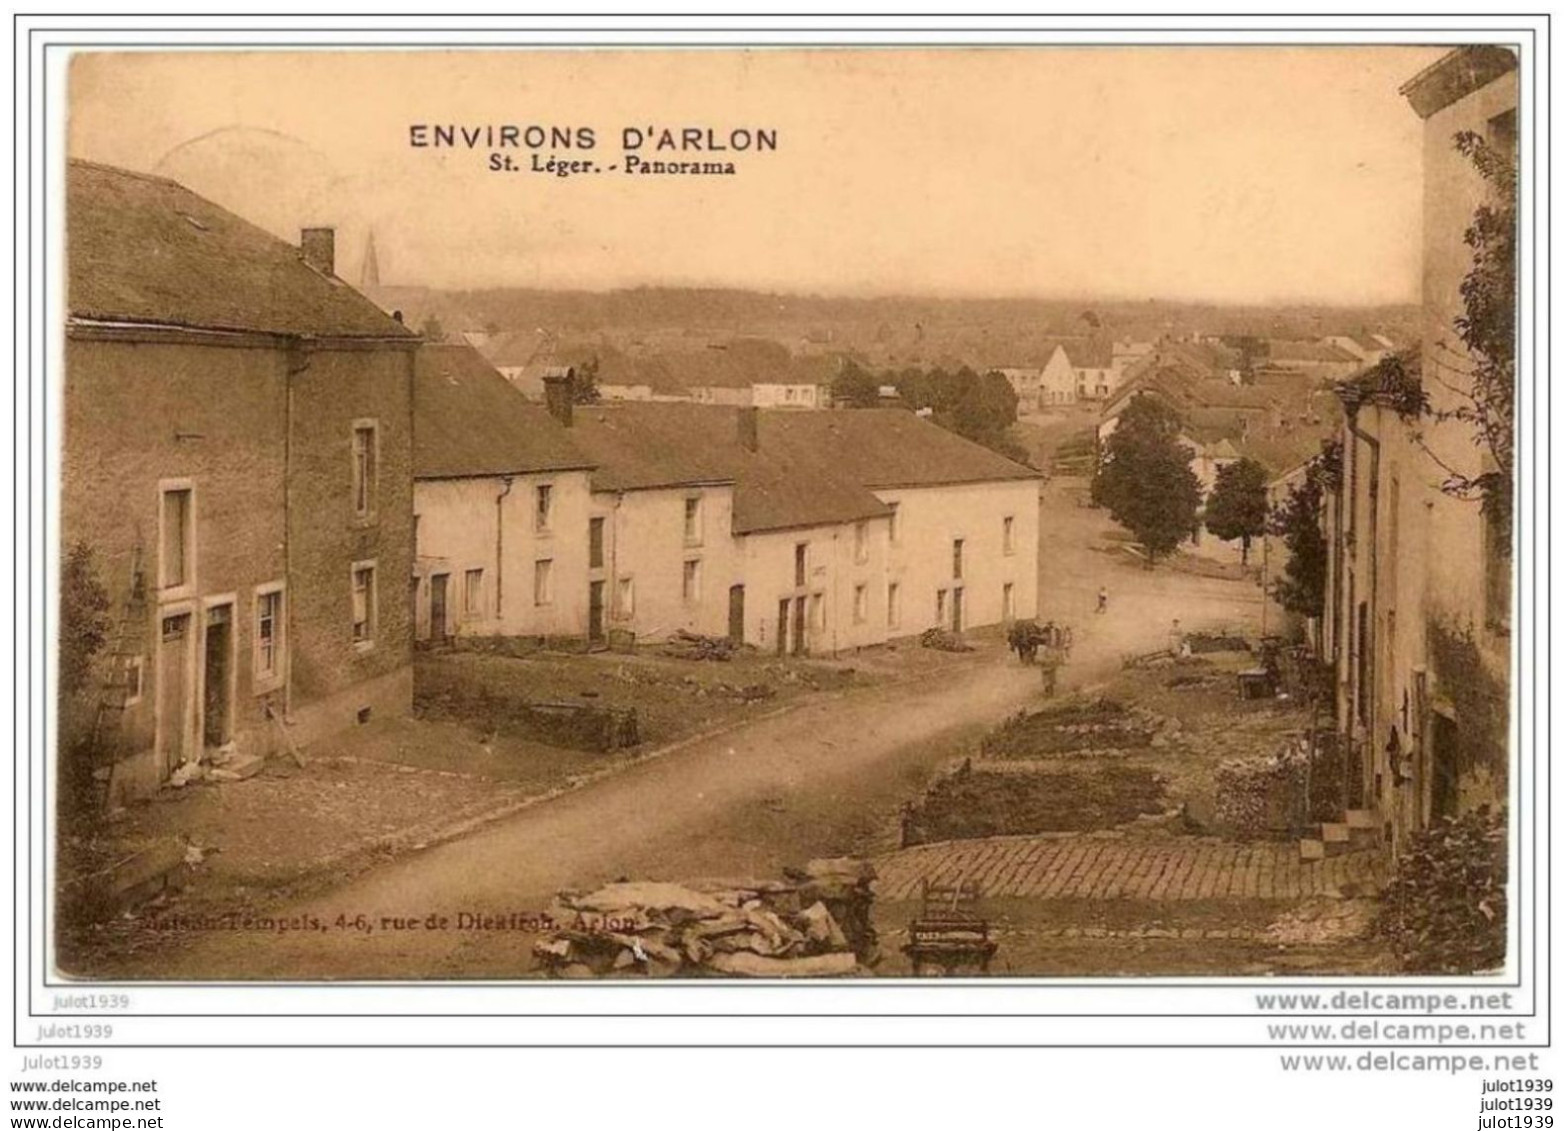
(144, 250)
(1454, 76)
(469, 421)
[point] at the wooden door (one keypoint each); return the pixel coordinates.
(438, 585)
(595, 611)
(782, 620)
(736, 614)
(217, 676)
(174, 690)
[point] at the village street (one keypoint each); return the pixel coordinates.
(823, 779)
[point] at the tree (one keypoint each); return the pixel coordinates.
(84, 618)
(1487, 329)
(432, 330)
(979, 407)
(855, 387)
(1144, 478)
(1237, 507)
(1297, 522)
(584, 390)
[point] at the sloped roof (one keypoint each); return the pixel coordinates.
(887, 447)
(469, 421)
(146, 250)
(1225, 394)
(1089, 354)
(639, 446)
(1322, 352)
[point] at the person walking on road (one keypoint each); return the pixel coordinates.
(1102, 599)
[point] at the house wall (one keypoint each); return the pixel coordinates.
(333, 677)
(645, 542)
(1057, 382)
(833, 570)
(483, 523)
(738, 395)
(231, 451)
(920, 558)
(217, 418)
(769, 395)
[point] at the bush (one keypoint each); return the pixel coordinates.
(1444, 910)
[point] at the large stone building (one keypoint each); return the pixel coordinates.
(238, 461)
(1418, 603)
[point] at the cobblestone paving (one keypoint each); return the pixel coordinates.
(1098, 866)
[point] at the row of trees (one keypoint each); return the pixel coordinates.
(1145, 481)
(979, 406)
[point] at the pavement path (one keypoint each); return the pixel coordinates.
(1110, 866)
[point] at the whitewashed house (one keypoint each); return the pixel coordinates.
(501, 503)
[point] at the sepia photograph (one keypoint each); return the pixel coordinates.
(854, 513)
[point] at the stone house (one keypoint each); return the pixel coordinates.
(238, 458)
(1417, 621)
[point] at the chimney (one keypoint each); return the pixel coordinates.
(559, 391)
(319, 249)
(749, 428)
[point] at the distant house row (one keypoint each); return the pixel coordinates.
(279, 488)
(744, 372)
(792, 532)
(1086, 370)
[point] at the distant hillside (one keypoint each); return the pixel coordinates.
(885, 330)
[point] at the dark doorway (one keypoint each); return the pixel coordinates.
(595, 611)
(782, 626)
(1444, 787)
(736, 614)
(217, 676)
(955, 607)
(800, 611)
(174, 689)
(438, 586)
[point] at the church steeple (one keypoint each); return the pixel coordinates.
(369, 273)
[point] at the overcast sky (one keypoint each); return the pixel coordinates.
(1230, 174)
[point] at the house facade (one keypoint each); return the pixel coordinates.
(805, 532)
(1418, 603)
(237, 459)
(501, 504)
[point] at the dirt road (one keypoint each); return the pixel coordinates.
(824, 779)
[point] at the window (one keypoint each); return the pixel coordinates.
(893, 605)
(135, 675)
(861, 542)
(268, 634)
(366, 456)
(1009, 607)
(544, 512)
(626, 597)
(364, 602)
(1010, 534)
(800, 564)
(860, 603)
(595, 544)
(692, 521)
(472, 593)
(955, 558)
(176, 525)
(895, 523)
(692, 581)
(543, 581)
(939, 608)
